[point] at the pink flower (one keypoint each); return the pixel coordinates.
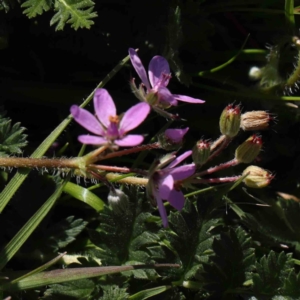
(106, 125)
(164, 184)
(159, 75)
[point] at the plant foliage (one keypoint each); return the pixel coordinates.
(12, 138)
(78, 13)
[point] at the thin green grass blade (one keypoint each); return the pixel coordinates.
(232, 59)
(18, 179)
(64, 275)
(40, 269)
(84, 195)
(145, 294)
(23, 234)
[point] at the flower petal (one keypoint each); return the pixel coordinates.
(139, 68)
(176, 135)
(162, 212)
(158, 67)
(176, 199)
(183, 172)
(165, 187)
(134, 116)
(86, 120)
(104, 106)
(188, 99)
(91, 140)
(179, 159)
(166, 97)
(130, 140)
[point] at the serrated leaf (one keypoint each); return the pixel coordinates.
(231, 265)
(12, 138)
(75, 12)
(35, 7)
(190, 238)
(272, 273)
(114, 292)
(125, 237)
(63, 233)
(79, 289)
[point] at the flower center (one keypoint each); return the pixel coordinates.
(114, 119)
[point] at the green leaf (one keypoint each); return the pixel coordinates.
(12, 138)
(273, 274)
(75, 12)
(79, 289)
(191, 236)
(41, 268)
(114, 292)
(67, 275)
(84, 195)
(23, 234)
(232, 264)
(128, 238)
(36, 7)
(63, 233)
(145, 294)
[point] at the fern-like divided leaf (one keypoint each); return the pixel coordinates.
(127, 238)
(78, 13)
(231, 265)
(63, 233)
(191, 239)
(12, 138)
(36, 7)
(79, 289)
(276, 276)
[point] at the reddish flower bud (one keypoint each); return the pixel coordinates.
(255, 120)
(230, 121)
(249, 150)
(201, 152)
(257, 177)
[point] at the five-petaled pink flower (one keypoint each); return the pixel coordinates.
(164, 184)
(159, 74)
(106, 125)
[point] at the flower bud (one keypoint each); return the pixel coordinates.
(255, 120)
(201, 152)
(118, 201)
(255, 73)
(257, 177)
(248, 151)
(172, 139)
(230, 121)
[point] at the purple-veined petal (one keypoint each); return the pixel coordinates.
(130, 140)
(91, 140)
(134, 116)
(183, 172)
(86, 120)
(176, 199)
(179, 159)
(162, 212)
(165, 96)
(188, 99)
(158, 67)
(165, 187)
(104, 106)
(176, 135)
(139, 68)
